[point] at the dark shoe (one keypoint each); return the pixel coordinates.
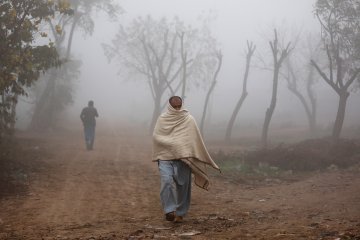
(178, 219)
(170, 216)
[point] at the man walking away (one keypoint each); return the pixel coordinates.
(87, 116)
(179, 149)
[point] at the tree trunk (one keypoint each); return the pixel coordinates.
(202, 123)
(308, 112)
(341, 90)
(3, 115)
(279, 55)
(73, 26)
(233, 116)
(39, 119)
(156, 112)
(250, 52)
(309, 84)
(184, 66)
(270, 110)
(219, 58)
(313, 125)
(13, 112)
(343, 96)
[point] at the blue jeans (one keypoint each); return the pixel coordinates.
(175, 190)
(89, 132)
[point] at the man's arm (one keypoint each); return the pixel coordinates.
(82, 115)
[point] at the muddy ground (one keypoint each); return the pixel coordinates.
(52, 188)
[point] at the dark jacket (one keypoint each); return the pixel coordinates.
(88, 115)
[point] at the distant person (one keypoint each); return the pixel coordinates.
(179, 150)
(87, 116)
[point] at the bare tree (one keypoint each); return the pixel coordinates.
(218, 56)
(167, 54)
(340, 25)
(184, 65)
(250, 51)
(301, 78)
(309, 107)
(279, 55)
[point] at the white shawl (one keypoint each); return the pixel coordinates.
(176, 136)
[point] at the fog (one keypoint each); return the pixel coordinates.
(121, 99)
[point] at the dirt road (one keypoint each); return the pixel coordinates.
(112, 192)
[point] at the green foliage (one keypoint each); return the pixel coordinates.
(22, 61)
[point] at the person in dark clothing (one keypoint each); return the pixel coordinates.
(87, 116)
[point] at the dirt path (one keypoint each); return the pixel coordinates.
(112, 193)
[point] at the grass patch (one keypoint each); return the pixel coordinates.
(286, 160)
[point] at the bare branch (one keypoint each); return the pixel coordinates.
(330, 63)
(323, 75)
(352, 78)
(148, 60)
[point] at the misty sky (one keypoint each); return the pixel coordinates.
(236, 22)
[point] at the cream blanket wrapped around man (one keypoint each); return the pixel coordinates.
(176, 136)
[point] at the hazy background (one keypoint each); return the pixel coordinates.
(122, 100)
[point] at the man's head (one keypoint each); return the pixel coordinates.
(91, 103)
(176, 102)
